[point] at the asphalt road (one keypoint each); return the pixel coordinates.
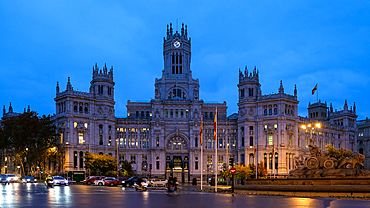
(37, 195)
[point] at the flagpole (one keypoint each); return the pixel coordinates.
(256, 154)
(216, 144)
(317, 93)
(201, 153)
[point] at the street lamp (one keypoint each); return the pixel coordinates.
(311, 128)
(117, 159)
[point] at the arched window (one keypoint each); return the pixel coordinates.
(144, 143)
(209, 143)
(251, 141)
(265, 159)
(157, 141)
(75, 159)
(80, 109)
(276, 160)
(251, 159)
(142, 114)
(133, 142)
(270, 111)
(361, 151)
(270, 158)
(275, 110)
(265, 112)
(196, 141)
(86, 110)
(100, 153)
(75, 108)
(81, 160)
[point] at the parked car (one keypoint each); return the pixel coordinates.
(91, 179)
(111, 181)
(4, 179)
(58, 180)
(29, 179)
(158, 182)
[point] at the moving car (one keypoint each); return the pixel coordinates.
(130, 181)
(158, 182)
(58, 180)
(91, 179)
(12, 177)
(29, 179)
(4, 179)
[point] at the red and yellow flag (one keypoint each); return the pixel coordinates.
(201, 131)
(314, 89)
(215, 126)
(255, 150)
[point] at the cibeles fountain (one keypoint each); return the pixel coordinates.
(317, 165)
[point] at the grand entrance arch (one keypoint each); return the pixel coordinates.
(177, 157)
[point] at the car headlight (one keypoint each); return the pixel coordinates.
(8, 179)
(28, 179)
(65, 181)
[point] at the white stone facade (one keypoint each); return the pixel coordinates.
(164, 132)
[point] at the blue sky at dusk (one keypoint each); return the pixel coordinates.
(298, 42)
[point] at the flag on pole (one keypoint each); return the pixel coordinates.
(201, 131)
(215, 126)
(255, 150)
(314, 89)
(273, 150)
(175, 84)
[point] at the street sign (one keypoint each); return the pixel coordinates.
(232, 171)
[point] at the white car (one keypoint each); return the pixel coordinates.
(158, 182)
(58, 180)
(100, 182)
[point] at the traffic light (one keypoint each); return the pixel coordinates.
(231, 161)
(150, 166)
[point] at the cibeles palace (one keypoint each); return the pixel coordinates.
(164, 132)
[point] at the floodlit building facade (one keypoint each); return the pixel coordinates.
(164, 133)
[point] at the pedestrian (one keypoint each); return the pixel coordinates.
(194, 181)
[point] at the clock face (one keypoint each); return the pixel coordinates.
(176, 44)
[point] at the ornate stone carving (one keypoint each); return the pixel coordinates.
(318, 166)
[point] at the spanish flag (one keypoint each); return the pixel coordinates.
(201, 131)
(314, 89)
(255, 150)
(215, 126)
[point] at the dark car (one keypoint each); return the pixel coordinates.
(28, 179)
(4, 179)
(130, 181)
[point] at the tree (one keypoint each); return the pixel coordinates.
(243, 172)
(337, 153)
(127, 169)
(28, 137)
(100, 163)
(261, 170)
(225, 172)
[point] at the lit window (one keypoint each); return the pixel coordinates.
(61, 138)
(270, 139)
(81, 138)
(75, 124)
(275, 126)
(86, 125)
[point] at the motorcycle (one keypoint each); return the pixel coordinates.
(143, 187)
(173, 189)
(49, 183)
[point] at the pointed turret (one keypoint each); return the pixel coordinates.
(10, 108)
(354, 107)
(345, 107)
(295, 91)
(281, 88)
(57, 88)
(4, 111)
(69, 85)
(28, 109)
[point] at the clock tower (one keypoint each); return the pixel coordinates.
(177, 81)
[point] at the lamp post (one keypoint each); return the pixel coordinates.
(311, 128)
(117, 159)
